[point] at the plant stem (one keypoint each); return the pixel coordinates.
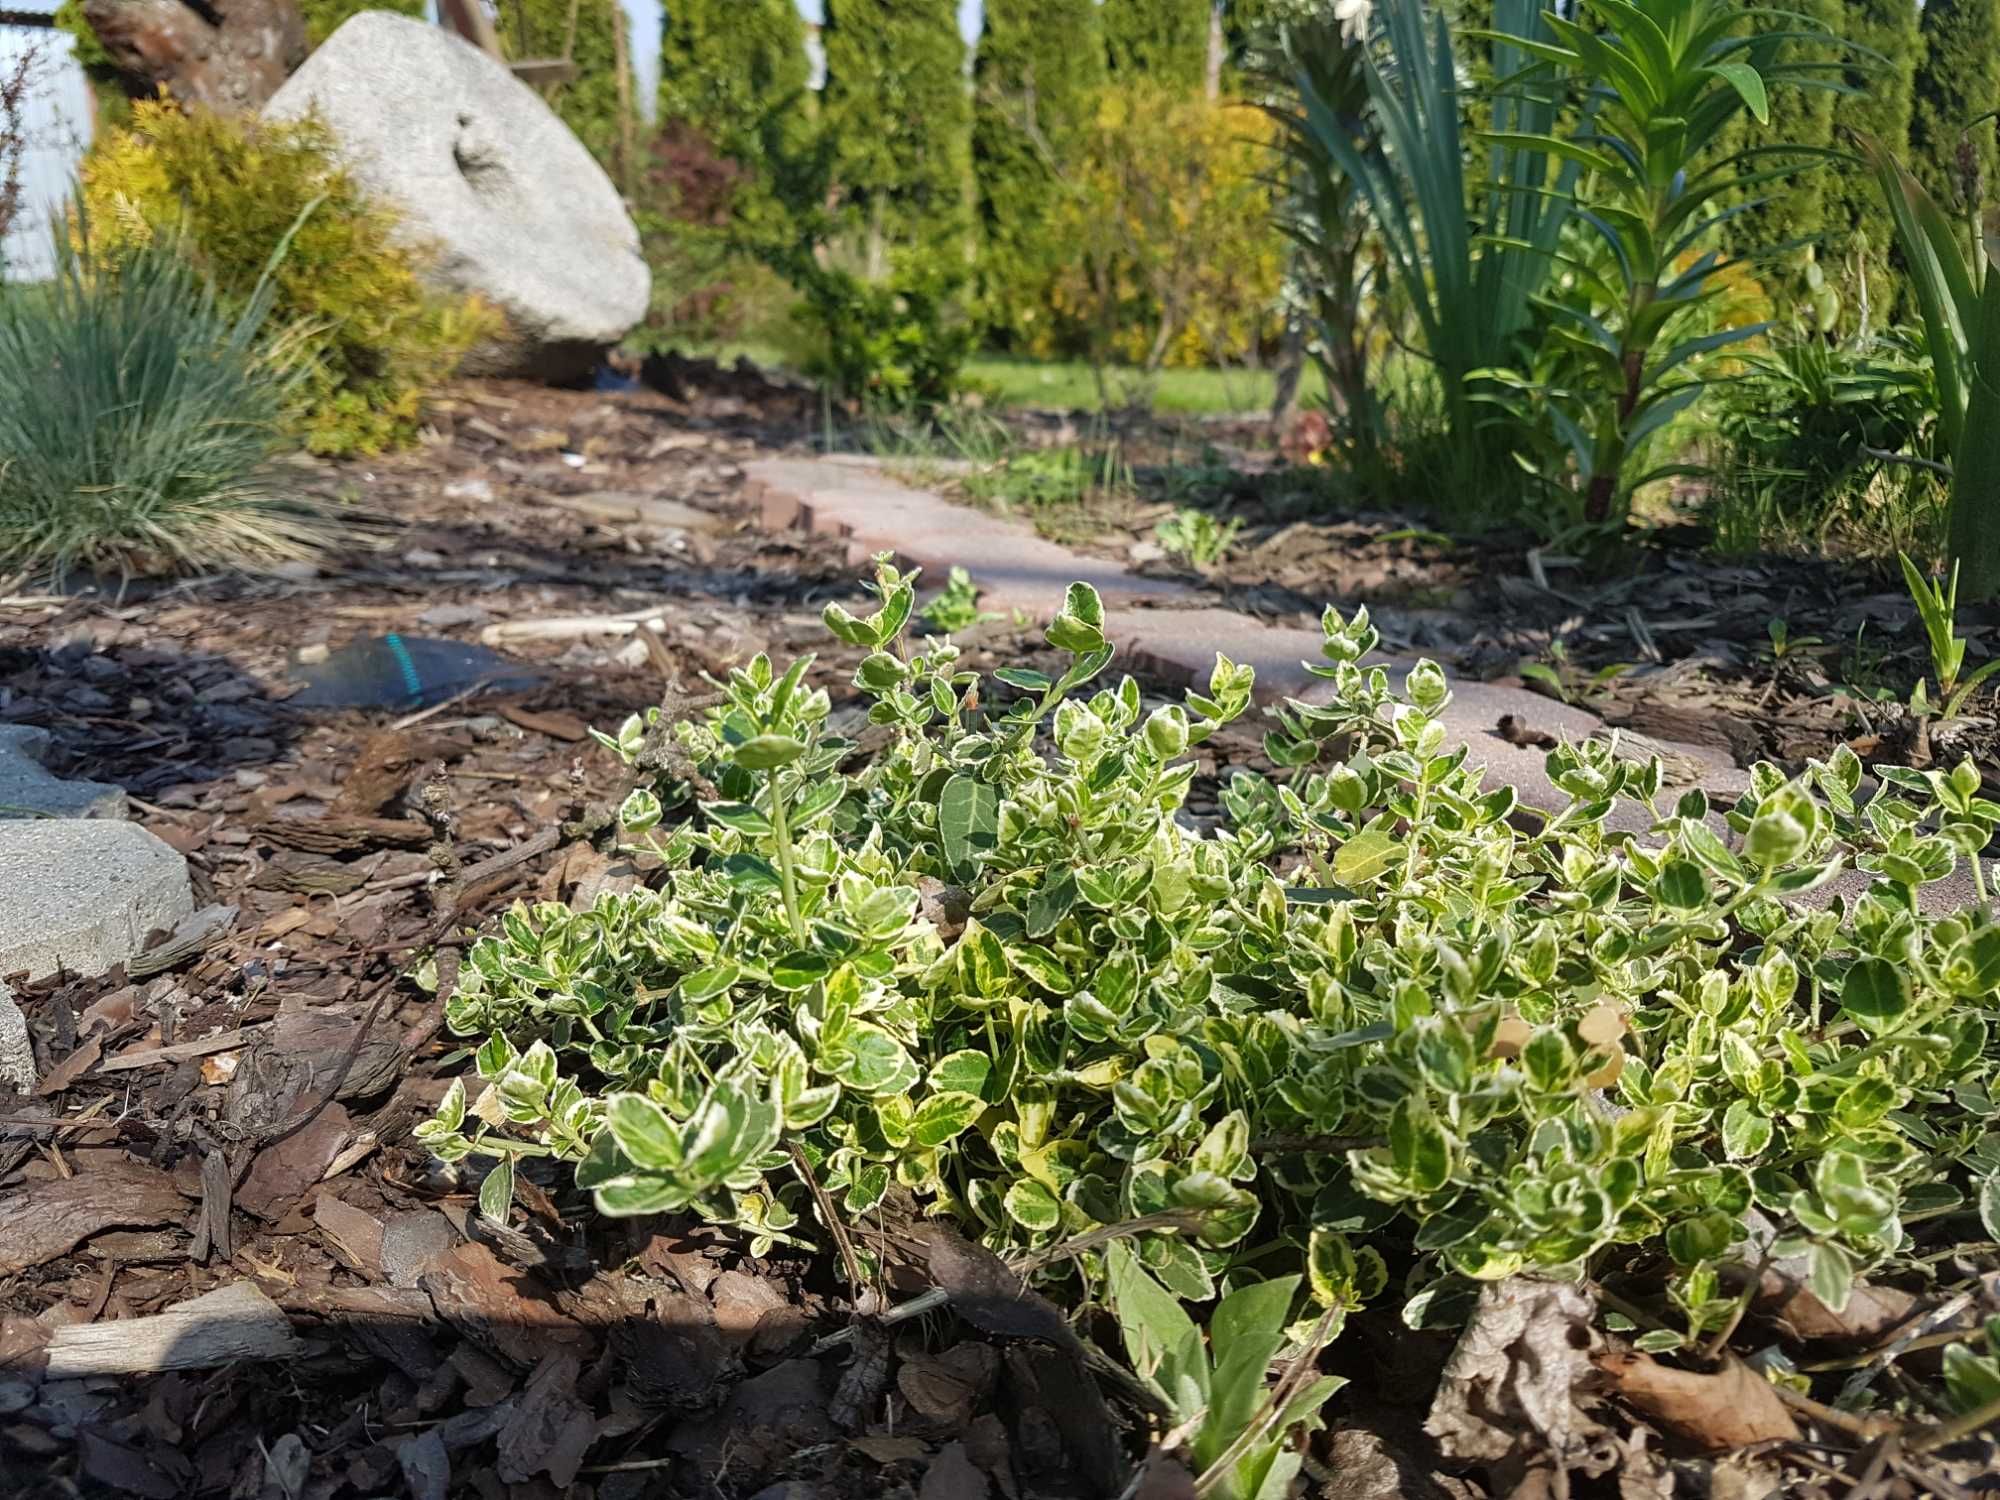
(1958, 1427)
(788, 879)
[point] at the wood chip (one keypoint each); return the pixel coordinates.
(236, 1324)
(146, 1057)
(354, 1233)
(556, 724)
(71, 1068)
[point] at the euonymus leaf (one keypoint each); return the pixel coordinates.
(496, 1193)
(1032, 1206)
(1830, 1274)
(626, 1197)
(968, 822)
(961, 1073)
(1876, 992)
(1051, 902)
(643, 1132)
(870, 1061)
(1365, 858)
(1745, 1133)
(942, 1117)
(1681, 885)
(797, 971)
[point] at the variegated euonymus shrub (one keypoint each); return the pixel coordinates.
(992, 965)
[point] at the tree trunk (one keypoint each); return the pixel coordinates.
(225, 55)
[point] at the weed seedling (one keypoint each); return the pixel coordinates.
(1937, 606)
(1197, 536)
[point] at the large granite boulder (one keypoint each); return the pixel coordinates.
(516, 208)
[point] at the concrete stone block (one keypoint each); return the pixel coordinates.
(29, 791)
(17, 1057)
(82, 894)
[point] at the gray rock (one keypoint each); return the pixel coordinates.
(17, 1057)
(412, 1241)
(518, 210)
(81, 894)
(28, 791)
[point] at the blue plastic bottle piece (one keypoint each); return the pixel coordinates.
(403, 671)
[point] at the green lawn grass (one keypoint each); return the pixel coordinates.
(1072, 386)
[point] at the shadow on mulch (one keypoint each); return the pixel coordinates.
(145, 717)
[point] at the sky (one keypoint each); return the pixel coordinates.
(645, 18)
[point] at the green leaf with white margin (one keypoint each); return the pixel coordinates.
(767, 752)
(963, 1072)
(496, 1193)
(1032, 1206)
(968, 822)
(1079, 628)
(870, 1061)
(625, 1197)
(1745, 1133)
(1367, 856)
(1419, 1147)
(643, 1132)
(1830, 1274)
(1972, 969)
(1876, 992)
(1042, 966)
(1681, 885)
(451, 1108)
(943, 1117)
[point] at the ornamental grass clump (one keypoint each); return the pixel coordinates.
(141, 419)
(1383, 1015)
(374, 338)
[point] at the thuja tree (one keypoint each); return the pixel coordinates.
(592, 102)
(324, 17)
(1165, 41)
(1957, 82)
(1036, 74)
(1792, 207)
(735, 73)
(1880, 74)
(900, 114)
(726, 66)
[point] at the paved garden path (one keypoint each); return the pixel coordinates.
(1172, 632)
(1162, 627)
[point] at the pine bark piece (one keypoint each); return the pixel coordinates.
(505, 1310)
(345, 835)
(551, 1431)
(225, 55)
(47, 1219)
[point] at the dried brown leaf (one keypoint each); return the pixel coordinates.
(1507, 1390)
(1731, 1408)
